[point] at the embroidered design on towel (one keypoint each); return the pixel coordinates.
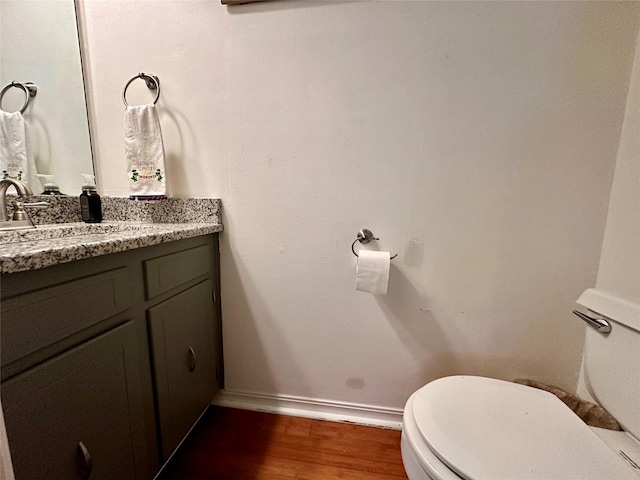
(18, 176)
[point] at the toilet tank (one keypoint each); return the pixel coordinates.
(612, 361)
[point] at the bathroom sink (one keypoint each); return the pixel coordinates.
(65, 230)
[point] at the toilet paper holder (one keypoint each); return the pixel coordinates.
(365, 236)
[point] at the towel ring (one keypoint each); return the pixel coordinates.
(152, 81)
(29, 89)
(365, 236)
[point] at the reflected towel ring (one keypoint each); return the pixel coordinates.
(152, 81)
(29, 89)
(365, 236)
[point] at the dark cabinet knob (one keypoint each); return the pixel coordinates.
(88, 461)
(192, 359)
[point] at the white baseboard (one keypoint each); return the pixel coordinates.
(312, 408)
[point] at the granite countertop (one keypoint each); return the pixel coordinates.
(19, 256)
(61, 242)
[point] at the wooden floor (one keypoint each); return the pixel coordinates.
(230, 444)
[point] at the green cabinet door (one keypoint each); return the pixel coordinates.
(185, 352)
(78, 415)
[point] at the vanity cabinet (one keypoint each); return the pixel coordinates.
(107, 362)
(78, 414)
(183, 347)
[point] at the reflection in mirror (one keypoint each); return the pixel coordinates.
(39, 44)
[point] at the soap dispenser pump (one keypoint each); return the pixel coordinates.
(90, 202)
(50, 186)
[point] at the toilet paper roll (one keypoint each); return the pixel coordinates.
(372, 272)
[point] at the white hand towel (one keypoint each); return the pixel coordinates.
(144, 152)
(13, 146)
(16, 159)
(372, 272)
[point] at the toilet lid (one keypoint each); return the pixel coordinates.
(483, 428)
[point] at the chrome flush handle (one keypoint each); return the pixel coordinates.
(600, 324)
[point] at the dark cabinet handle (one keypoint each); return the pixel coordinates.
(88, 461)
(192, 359)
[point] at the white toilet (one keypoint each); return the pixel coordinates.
(473, 428)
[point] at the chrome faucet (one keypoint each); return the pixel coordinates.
(20, 217)
(5, 183)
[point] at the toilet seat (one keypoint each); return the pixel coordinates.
(482, 428)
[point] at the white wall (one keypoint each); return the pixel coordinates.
(619, 271)
(476, 139)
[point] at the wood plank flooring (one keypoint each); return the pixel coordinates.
(231, 444)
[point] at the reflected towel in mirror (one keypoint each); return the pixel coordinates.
(16, 162)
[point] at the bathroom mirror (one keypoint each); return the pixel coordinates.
(39, 44)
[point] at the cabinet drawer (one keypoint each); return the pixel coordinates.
(169, 271)
(40, 318)
(184, 345)
(85, 398)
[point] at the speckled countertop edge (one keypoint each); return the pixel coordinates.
(32, 255)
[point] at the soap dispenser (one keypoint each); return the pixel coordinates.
(90, 203)
(49, 184)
